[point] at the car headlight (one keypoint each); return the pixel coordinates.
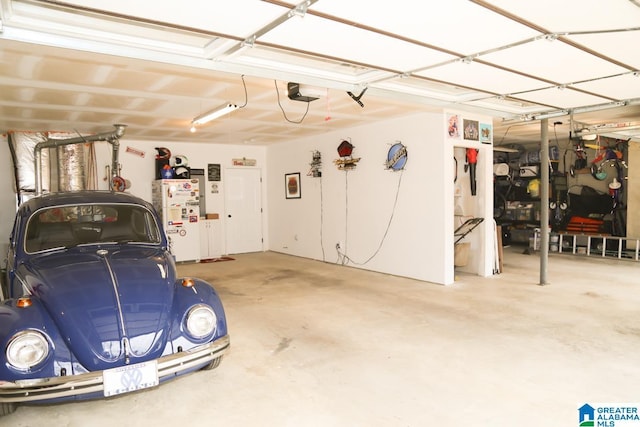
(201, 321)
(27, 349)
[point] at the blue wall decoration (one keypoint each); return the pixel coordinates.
(397, 157)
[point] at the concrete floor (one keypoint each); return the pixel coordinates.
(316, 344)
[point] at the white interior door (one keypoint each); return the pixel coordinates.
(243, 210)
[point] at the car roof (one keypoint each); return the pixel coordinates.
(82, 197)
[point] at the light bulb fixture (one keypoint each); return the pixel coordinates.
(214, 114)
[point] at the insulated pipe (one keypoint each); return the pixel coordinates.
(111, 137)
(115, 150)
(544, 200)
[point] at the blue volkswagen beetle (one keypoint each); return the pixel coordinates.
(92, 305)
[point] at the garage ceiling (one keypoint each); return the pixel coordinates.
(87, 64)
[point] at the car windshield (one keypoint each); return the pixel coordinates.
(86, 224)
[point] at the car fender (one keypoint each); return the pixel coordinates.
(188, 293)
(15, 319)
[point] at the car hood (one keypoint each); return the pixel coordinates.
(108, 304)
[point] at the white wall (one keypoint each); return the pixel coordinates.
(354, 208)
(140, 171)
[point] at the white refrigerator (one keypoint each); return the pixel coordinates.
(178, 203)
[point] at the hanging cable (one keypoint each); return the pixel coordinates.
(499, 144)
(282, 109)
(345, 258)
(246, 96)
(342, 252)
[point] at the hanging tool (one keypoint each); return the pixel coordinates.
(581, 159)
(472, 161)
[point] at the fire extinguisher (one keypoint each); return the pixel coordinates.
(472, 161)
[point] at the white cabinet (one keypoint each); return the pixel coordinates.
(210, 239)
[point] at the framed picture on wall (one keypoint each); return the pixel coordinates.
(453, 125)
(292, 185)
(213, 171)
(470, 130)
(485, 133)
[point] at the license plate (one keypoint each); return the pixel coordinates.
(130, 378)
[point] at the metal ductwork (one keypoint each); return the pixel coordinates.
(68, 157)
(71, 170)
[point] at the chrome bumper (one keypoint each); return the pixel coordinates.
(41, 389)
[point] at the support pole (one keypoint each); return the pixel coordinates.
(544, 200)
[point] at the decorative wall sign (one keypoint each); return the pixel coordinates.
(345, 149)
(316, 165)
(244, 162)
(346, 161)
(470, 130)
(397, 157)
(292, 185)
(135, 151)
